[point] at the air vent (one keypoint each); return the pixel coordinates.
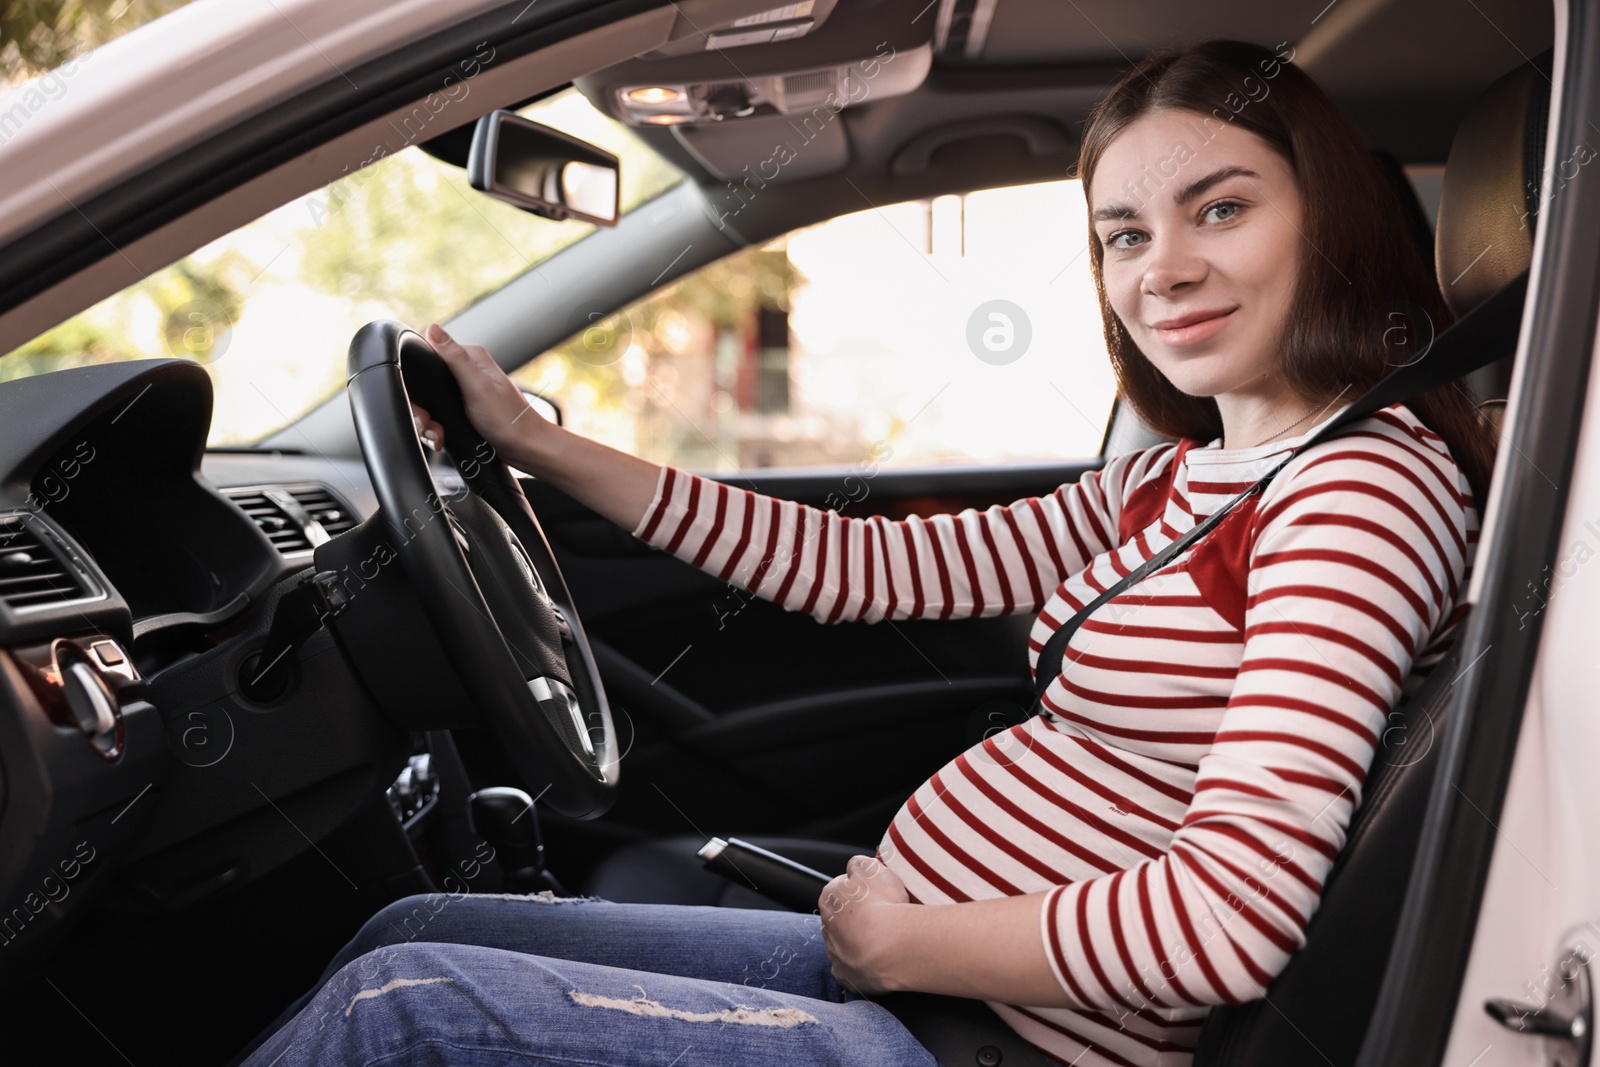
(274, 521)
(34, 573)
(295, 518)
(328, 510)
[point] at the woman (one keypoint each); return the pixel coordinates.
(1156, 842)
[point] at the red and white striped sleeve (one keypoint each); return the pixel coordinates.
(1358, 554)
(998, 561)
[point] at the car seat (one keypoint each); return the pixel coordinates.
(1318, 1008)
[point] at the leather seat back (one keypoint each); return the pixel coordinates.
(1489, 207)
(1318, 1008)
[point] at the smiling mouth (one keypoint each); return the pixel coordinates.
(1192, 328)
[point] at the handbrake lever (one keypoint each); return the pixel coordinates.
(778, 878)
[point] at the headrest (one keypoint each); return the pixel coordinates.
(1489, 199)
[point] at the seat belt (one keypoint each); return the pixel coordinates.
(1486, 333)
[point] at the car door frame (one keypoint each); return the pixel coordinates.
(1522, 530)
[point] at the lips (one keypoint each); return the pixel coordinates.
(1193, 327)
(1190, 319)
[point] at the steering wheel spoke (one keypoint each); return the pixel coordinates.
(563, 624)
(560, 705)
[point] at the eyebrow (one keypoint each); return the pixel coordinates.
(1115, 212)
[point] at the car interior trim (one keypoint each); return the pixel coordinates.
(1418, 999)
(97, 247)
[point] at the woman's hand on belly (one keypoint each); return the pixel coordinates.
(860, 912)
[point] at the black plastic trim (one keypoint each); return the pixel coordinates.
(798, 720)
(815, 484)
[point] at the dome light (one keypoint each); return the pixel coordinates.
(655, 95)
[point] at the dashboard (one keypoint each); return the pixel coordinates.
(98, 473)
(138, 573)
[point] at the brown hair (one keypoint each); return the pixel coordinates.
(1359, 267)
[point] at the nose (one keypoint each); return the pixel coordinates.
(1172, 267)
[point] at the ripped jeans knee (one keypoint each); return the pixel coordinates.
(739, 1015)
(446, 917)
(473, 1006)
(543, 896)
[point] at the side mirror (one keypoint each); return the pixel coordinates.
(547, 409)
(544, 171)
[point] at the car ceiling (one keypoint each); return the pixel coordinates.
(1405, 71)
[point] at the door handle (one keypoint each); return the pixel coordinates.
(1565, 1021)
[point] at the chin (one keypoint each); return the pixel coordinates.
(1202, 373)
(1196, 384)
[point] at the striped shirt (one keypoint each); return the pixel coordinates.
(1203, 748)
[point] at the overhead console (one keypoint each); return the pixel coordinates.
(752, 90)
(727, 24)
(797, 93)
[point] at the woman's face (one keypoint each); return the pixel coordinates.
(1200, 224)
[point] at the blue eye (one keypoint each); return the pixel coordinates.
(1228, 206)
(1114, 241)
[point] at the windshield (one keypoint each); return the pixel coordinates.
(270, 308)
(41, 35)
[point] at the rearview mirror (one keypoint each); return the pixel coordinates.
(544, 171)
(547, 408)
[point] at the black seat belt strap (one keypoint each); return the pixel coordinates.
(1486, 333)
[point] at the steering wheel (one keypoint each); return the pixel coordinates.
(480, 566)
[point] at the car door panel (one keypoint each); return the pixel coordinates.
(739, 714)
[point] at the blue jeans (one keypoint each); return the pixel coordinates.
(488, 979)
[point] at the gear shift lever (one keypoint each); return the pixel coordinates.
(505, 817)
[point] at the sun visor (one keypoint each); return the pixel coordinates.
(729, 71)
(722, 24)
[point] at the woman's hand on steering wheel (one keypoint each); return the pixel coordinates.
(487, 578)
(494, 404)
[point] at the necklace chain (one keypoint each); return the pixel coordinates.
(1286, 429)
(1303, 418)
